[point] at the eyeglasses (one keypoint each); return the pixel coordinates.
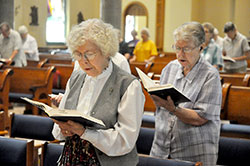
(87, 55)
(184, 49)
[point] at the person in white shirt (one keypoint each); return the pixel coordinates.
(103, 90)
(29, 47)
(218, 40)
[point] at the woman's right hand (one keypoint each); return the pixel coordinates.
(56, 99)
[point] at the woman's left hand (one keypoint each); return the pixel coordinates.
(168, 104)
(70, 128)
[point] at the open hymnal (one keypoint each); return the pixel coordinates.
(161, 90)
(229, 59)
(65, 115)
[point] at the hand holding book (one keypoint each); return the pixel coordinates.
(66, 115)
(162, 90)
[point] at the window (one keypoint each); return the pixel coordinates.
(136, 18)
(56, 24)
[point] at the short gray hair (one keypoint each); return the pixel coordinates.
(190, 31)
(4, 27)
(97, 32)
(23, 29)
(146, 30)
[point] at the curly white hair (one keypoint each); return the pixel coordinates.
(96, 31)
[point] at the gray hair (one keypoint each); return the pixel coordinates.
(145, 30)
(191, 31)
(97, 32)
(23, 29)
(5, 27)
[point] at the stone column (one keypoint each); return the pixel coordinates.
(7, 11)
(111, 12)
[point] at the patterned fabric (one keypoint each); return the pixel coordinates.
(213, 54)
(236, 48)
(178, 140)
(78, 152)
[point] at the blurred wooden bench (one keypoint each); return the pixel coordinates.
(4, 93)
(64, 71)
(237, 79)
(236, 107)
(33, 83)
(140, 65)
(39, 64)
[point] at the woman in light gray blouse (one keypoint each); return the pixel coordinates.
(189, 131)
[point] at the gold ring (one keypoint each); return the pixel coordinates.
(66, 132)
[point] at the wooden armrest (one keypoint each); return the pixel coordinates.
(5, 132)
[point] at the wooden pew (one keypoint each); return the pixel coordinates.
(31, 82)
(2, 125)
(55, 56)
(61, 61)
(167, 57)
(65, 71)
(156, 68)
(238, 79)
(140, 65)
(39, 64)
(237, 107)
(149, 104)
(4, 93)
(15, 152)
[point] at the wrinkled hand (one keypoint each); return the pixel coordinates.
(70, 128)
(56, 99)
(168, 104)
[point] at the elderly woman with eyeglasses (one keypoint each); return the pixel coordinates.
(189, 131)
(102, 90)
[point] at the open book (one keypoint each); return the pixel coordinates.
(229, 59)
(65, 115)
(161, 90)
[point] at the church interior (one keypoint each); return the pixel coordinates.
(26, 137)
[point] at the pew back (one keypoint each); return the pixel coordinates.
(237, 79)
(15, 152)
(4, 93)
(65, 71)
(237, 106)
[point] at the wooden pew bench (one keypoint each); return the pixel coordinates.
(236, 107)
(33, 83)
(64, 71)
(39, 64)
(140, 65)
(55, 56)
(4, 93)
(237, 79)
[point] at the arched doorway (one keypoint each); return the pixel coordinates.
(135, 18)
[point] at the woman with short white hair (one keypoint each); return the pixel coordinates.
(191, 130)
(102, 90)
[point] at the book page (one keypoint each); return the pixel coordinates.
(38, 104)
(146, 81)
(160, 87)
(54, 112)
